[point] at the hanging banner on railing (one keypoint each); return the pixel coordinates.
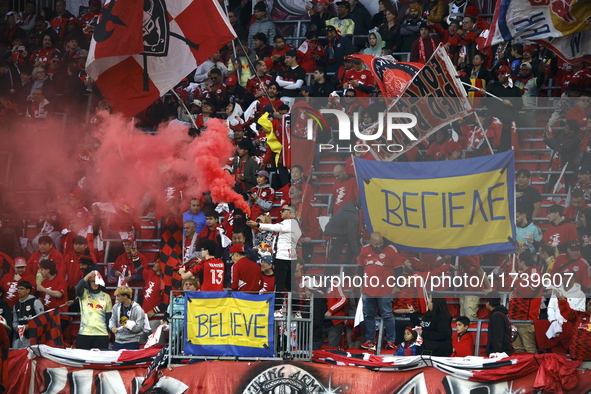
(457, 207)
(219, 323)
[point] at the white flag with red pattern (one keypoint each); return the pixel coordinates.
(142, 49)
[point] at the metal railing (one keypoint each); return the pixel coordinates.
(293, 333)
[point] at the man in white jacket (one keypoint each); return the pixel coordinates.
(289, 233)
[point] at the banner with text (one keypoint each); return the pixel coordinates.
(219, 323)
(458, 207)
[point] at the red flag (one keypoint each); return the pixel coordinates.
(160, 50)
(392, 77)
(170, 250)
(119, 30)
(45, 328)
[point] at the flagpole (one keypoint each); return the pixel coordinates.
(484, 133)
(480, 89)
(233, 45)
(185, 107)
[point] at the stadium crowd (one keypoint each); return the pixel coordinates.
(251, 83)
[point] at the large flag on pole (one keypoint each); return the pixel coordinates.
(561, 25)
(435, 96)
(458, 207)
(142, 49)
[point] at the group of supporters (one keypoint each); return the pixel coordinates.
(269, 250)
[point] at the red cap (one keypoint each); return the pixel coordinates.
(528, 48)
(232, 80)
(453, 146)
(471, 10)
(504, 69)
(20, 262)
(237, 248)
(269, 63)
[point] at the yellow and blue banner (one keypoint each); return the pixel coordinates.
(220, 323)
(458, 207)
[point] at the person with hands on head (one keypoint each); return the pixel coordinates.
(580, 346)
(95, 312)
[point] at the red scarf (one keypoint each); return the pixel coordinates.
(422, 55)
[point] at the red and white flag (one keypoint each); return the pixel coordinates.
(142, 49)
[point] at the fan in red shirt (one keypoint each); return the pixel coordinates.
(261, 196)
(310, 51)
(378, 262)
(525, 301)
(89, 20)
(360, 79)
(153, 290)
(10, 280)
(212, 231)
(273, 94)
(560, 232)
(344, 189)
(257, 84)
(278, 54)
(46, 252)
(268, 275)
(463, 341)
(580, 347)
(246, 274)
(54, 288)
(126, 263)
(209, 270)
(575, 210)
(438, 148)
(73, 272)
(572, 262)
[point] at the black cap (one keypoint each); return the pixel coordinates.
(574, 245)
(345, 3)
(584, 170)
(292, 53)
(331, 28)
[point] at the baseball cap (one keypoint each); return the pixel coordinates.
(575, 245)
(528, 48)
(237, 248)
(263, 173)
(86, 260)
(584, 170)
(291, 52)
(232, 80)
(307, 88)
(454, 146)
(503, 70)
(20, 262)
(344, 3)
(526, 65)
(331, 28)
(267, 258)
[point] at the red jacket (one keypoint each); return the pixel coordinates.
(580, 346)
(463, 345)
(337, 304)
(246, 276)
(579, 268)
(33, 263)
